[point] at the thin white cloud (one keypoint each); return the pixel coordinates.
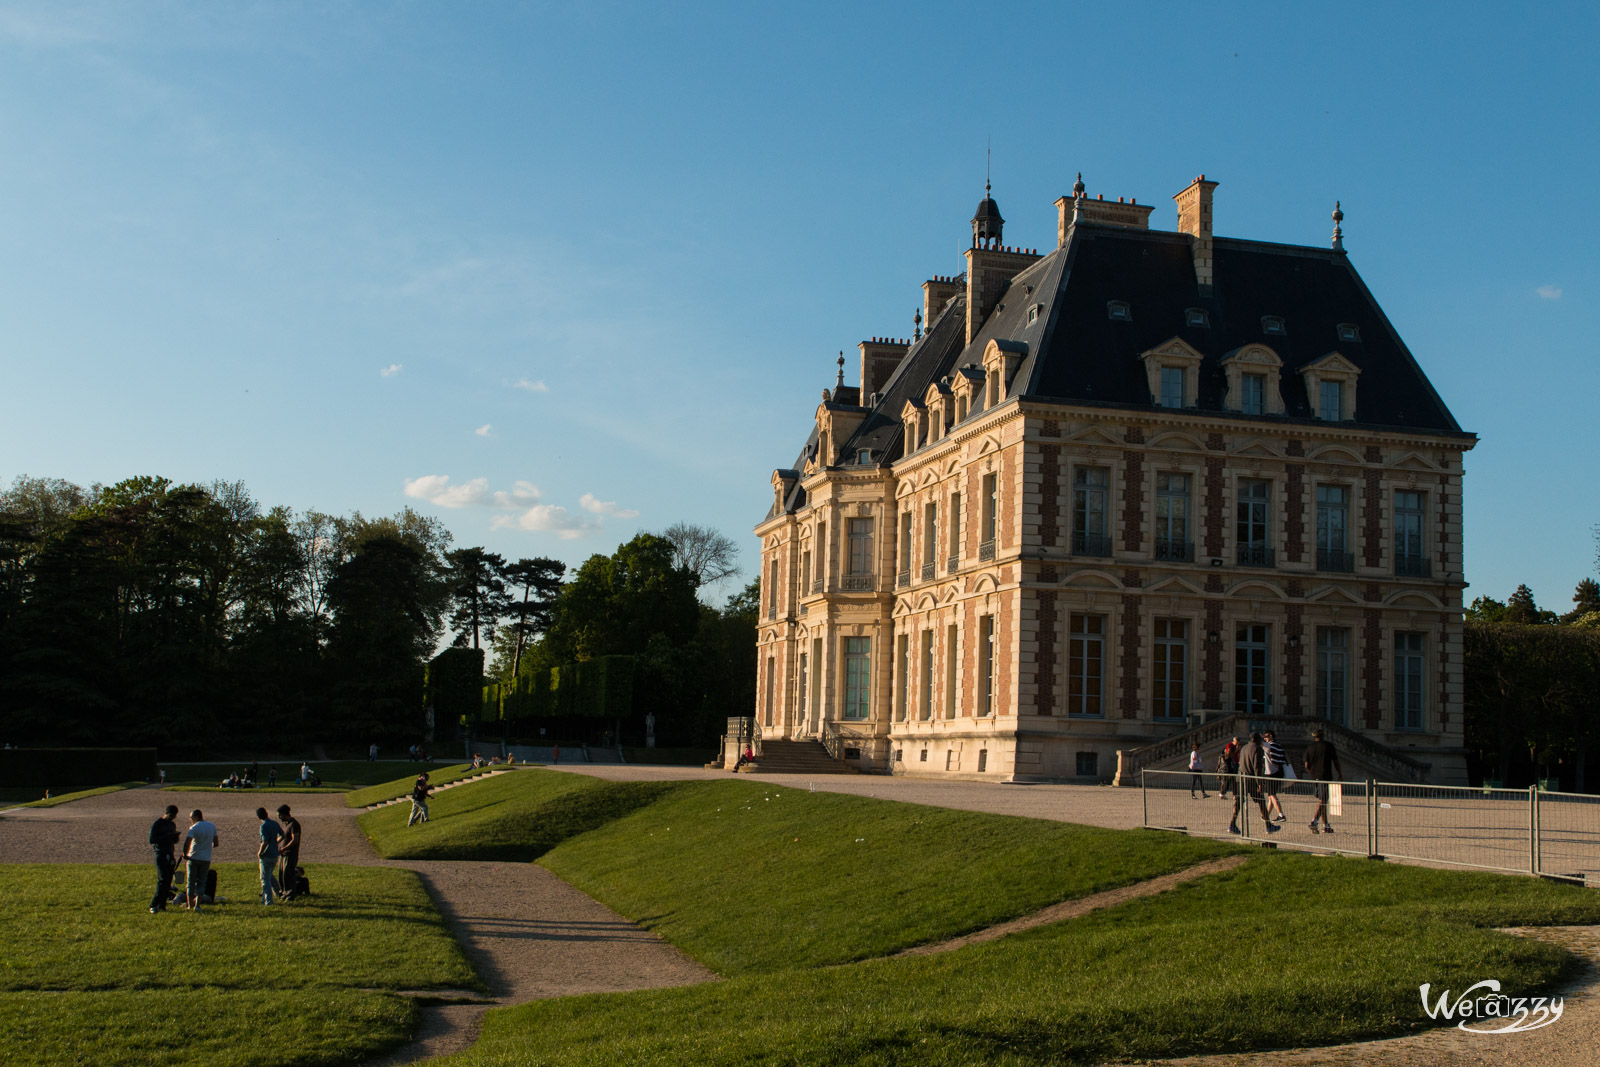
(486, 430)
(1549, 292)
(436, 489)
(522, 494)
(531, 386)
(606, 507)
(392, 369)
(549, 518)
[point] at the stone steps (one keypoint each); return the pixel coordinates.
(440, 788)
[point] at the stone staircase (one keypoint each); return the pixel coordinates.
(795, 757)
(1359, 756)
(440, 788)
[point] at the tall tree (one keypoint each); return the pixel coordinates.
(709, 555)
(478, 586)
(534, 585)
(382, 632)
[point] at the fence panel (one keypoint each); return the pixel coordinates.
(1569, 835)
(1490, 829)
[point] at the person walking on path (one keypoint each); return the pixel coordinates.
(1321, 758)
(197, 846)
(305, 772)
(288, 850)
(164, 839)
(372, 752)
(1277, 763)
(1252, 765)
(1196, 765)
(419, 800)
(267, 855)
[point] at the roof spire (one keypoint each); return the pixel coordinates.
(916, 335)
(1338, 234)
(840, 384)
(988, 159)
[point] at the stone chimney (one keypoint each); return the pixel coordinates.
(879, 357)
(1194, 219)
(937, 292)
(989, 272)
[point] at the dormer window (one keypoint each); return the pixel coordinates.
(1349, 331)
(1173, 372)
(1033, 313)
(1330, 402)
(864, 456)
(1272, 326)
(1172, 387)
(1119, 311)
(1197, 317)
(1331, 387)
(1253, 394)
(1253, 373)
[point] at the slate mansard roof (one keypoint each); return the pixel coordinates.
(1078, 354)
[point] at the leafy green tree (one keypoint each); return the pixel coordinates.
(614, 604)
(1585, 600)
(478, 585)
(382, 632)
(534, 585)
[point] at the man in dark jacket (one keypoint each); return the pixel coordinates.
(1322, 766)
(164, 840)
(1252, 767)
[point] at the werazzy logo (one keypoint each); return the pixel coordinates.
(1483, 1004)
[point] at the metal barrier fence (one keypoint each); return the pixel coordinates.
(1527, 831)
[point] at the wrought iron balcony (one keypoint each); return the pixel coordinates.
(1174, 551)
(1413, 567)
(772, 613)
(1257, 556)
(986, 551)
(816, 586)
(1090, 544)
(927, 572)
(903, 579)
(951, 564)
(859, 583)
(804, 608)
(1335, 559)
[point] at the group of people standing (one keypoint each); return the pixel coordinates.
(277, 854)
(1264, 765)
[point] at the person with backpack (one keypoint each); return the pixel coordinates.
(1196, 765)
(419, 800)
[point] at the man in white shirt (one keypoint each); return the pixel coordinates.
(197, 846)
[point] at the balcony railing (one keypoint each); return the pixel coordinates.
(804, 608)
(903, 579)
(1090, 544)
(1335, 559)
(859, 583)
(772, 613)
(951, 564)
(927, 572)
(816, 586)
(1413, 567)
(986, 551)
(1174, 551)
(1257, 556)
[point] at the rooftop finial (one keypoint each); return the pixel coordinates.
(916, 334)
(840, 383)
(1338, 234)
(988, 158)
(1077, 187)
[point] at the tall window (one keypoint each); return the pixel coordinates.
(1408, 681)
(816, 689)
(1333, 665)
(1172, 387)
(991, 510)
(771, 670)
(1253, 530)
(1171, 668)
(1332, 521)
(953, 538)
(857, 677)
(822, 554)
(1086, 665)
(772, 588)
(902, 676)
(805, 572)
(1253, 394)
(904, 563)
(1250, 669)
(1331, 401)
(950, 671)
(804, 679)
(1089, 493)
(860, 559)
(1410, 558)
(927, 676)
(930, 535)
(1172, 517)
(986, 665)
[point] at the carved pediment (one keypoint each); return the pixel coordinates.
(1172, 349)
(1258, 449)
(1176, 586)
(1332, 365)
(1253, 356)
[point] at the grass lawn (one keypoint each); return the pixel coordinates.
(399, 787)
(31, 796)
(338, 776)
(89, 977)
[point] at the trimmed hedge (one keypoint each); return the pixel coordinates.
(83, 768)
(600, 688)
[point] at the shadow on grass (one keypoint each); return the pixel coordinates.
(559, 819)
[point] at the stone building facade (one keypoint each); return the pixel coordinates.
(1142, 482)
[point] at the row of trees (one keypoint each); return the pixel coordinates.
(192, 618)
(1532, 680)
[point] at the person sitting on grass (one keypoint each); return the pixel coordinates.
(419, 800)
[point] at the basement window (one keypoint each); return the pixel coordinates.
(1349, 331)
(1272, 326)
(1197, 317)
(1088, 764)
(1119, 311)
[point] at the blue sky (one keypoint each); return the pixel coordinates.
(571, 271)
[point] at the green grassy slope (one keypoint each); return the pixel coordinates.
(399, 787)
